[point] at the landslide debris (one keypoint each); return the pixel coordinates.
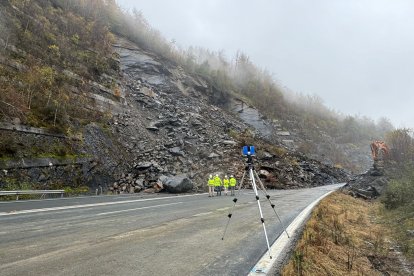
(106, 112)
(170, 127)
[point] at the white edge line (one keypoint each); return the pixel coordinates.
(75, 197)
(87, 205)
(263, 266)
(140, 208)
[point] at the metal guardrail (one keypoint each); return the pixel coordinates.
(31, 192)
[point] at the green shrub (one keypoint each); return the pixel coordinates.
(399, 192)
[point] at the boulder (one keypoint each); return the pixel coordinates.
(139, 182)
(213, 155)
(379, 184)
(147, 92)
(155, 125)
(176, 151)
(263, 173)
(143, 165)
(229, 142)
(153, 128)
(196, 123)
(267, 156)
(283, 133)
(176, 184)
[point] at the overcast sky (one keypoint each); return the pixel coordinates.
(357, 55)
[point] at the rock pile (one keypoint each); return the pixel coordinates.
(297, 172)
(166, 131)
(368, 185)
(171, 137)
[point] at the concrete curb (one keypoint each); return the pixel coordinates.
(279, 247)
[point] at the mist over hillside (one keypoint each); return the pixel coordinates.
(90, 86)
(96, 102)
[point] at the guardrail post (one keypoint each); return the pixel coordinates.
(17, 197)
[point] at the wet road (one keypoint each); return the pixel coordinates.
(135, 235)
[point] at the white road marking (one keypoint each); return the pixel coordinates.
(140, 208)
(12, 213)
(202, 214)
(223, 209)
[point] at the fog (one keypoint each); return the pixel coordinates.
(357, 55)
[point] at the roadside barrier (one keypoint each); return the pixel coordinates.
(43, 193)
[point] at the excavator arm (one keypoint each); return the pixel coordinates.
(379, 150)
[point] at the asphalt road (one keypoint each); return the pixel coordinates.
(136, 235)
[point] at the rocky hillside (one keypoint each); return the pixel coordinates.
(124, 117)
(170, 127)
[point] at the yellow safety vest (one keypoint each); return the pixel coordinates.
(210, 182)
(233, 182)
(225, 182)
(217, 181)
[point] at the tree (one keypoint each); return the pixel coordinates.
(401, 143)
(384, 125)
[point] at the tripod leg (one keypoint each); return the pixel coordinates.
(260, 210)
(271, 204)
(229, 215)
(241, 182)
(234, 200)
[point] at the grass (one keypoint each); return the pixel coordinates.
(398, 209)
(402, 221)
(344, 236)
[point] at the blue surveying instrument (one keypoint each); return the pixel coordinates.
(250, 152)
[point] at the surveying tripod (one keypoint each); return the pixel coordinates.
(249, 169)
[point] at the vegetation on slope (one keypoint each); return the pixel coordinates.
(348, 236)
(53, 49)
(48, 57)
(398, 211)
(345, 236)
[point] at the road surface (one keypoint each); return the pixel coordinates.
(142, 235)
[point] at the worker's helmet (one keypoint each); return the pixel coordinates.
(225, 176)
(211, 176)
(216, 174)
(231, 175)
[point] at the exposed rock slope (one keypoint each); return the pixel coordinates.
(170, 127)
(163, 122)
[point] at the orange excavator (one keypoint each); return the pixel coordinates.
(379, 150)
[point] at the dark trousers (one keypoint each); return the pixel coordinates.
(218, 190)
(232, 190)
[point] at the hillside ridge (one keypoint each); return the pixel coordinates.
(131, 114)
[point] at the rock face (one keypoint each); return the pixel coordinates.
(176, 184)
(171, 130)
(170, 127)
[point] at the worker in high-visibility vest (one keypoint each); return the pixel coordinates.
(210, 186)
(226, 184)
(233, 183)
(217, 184)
